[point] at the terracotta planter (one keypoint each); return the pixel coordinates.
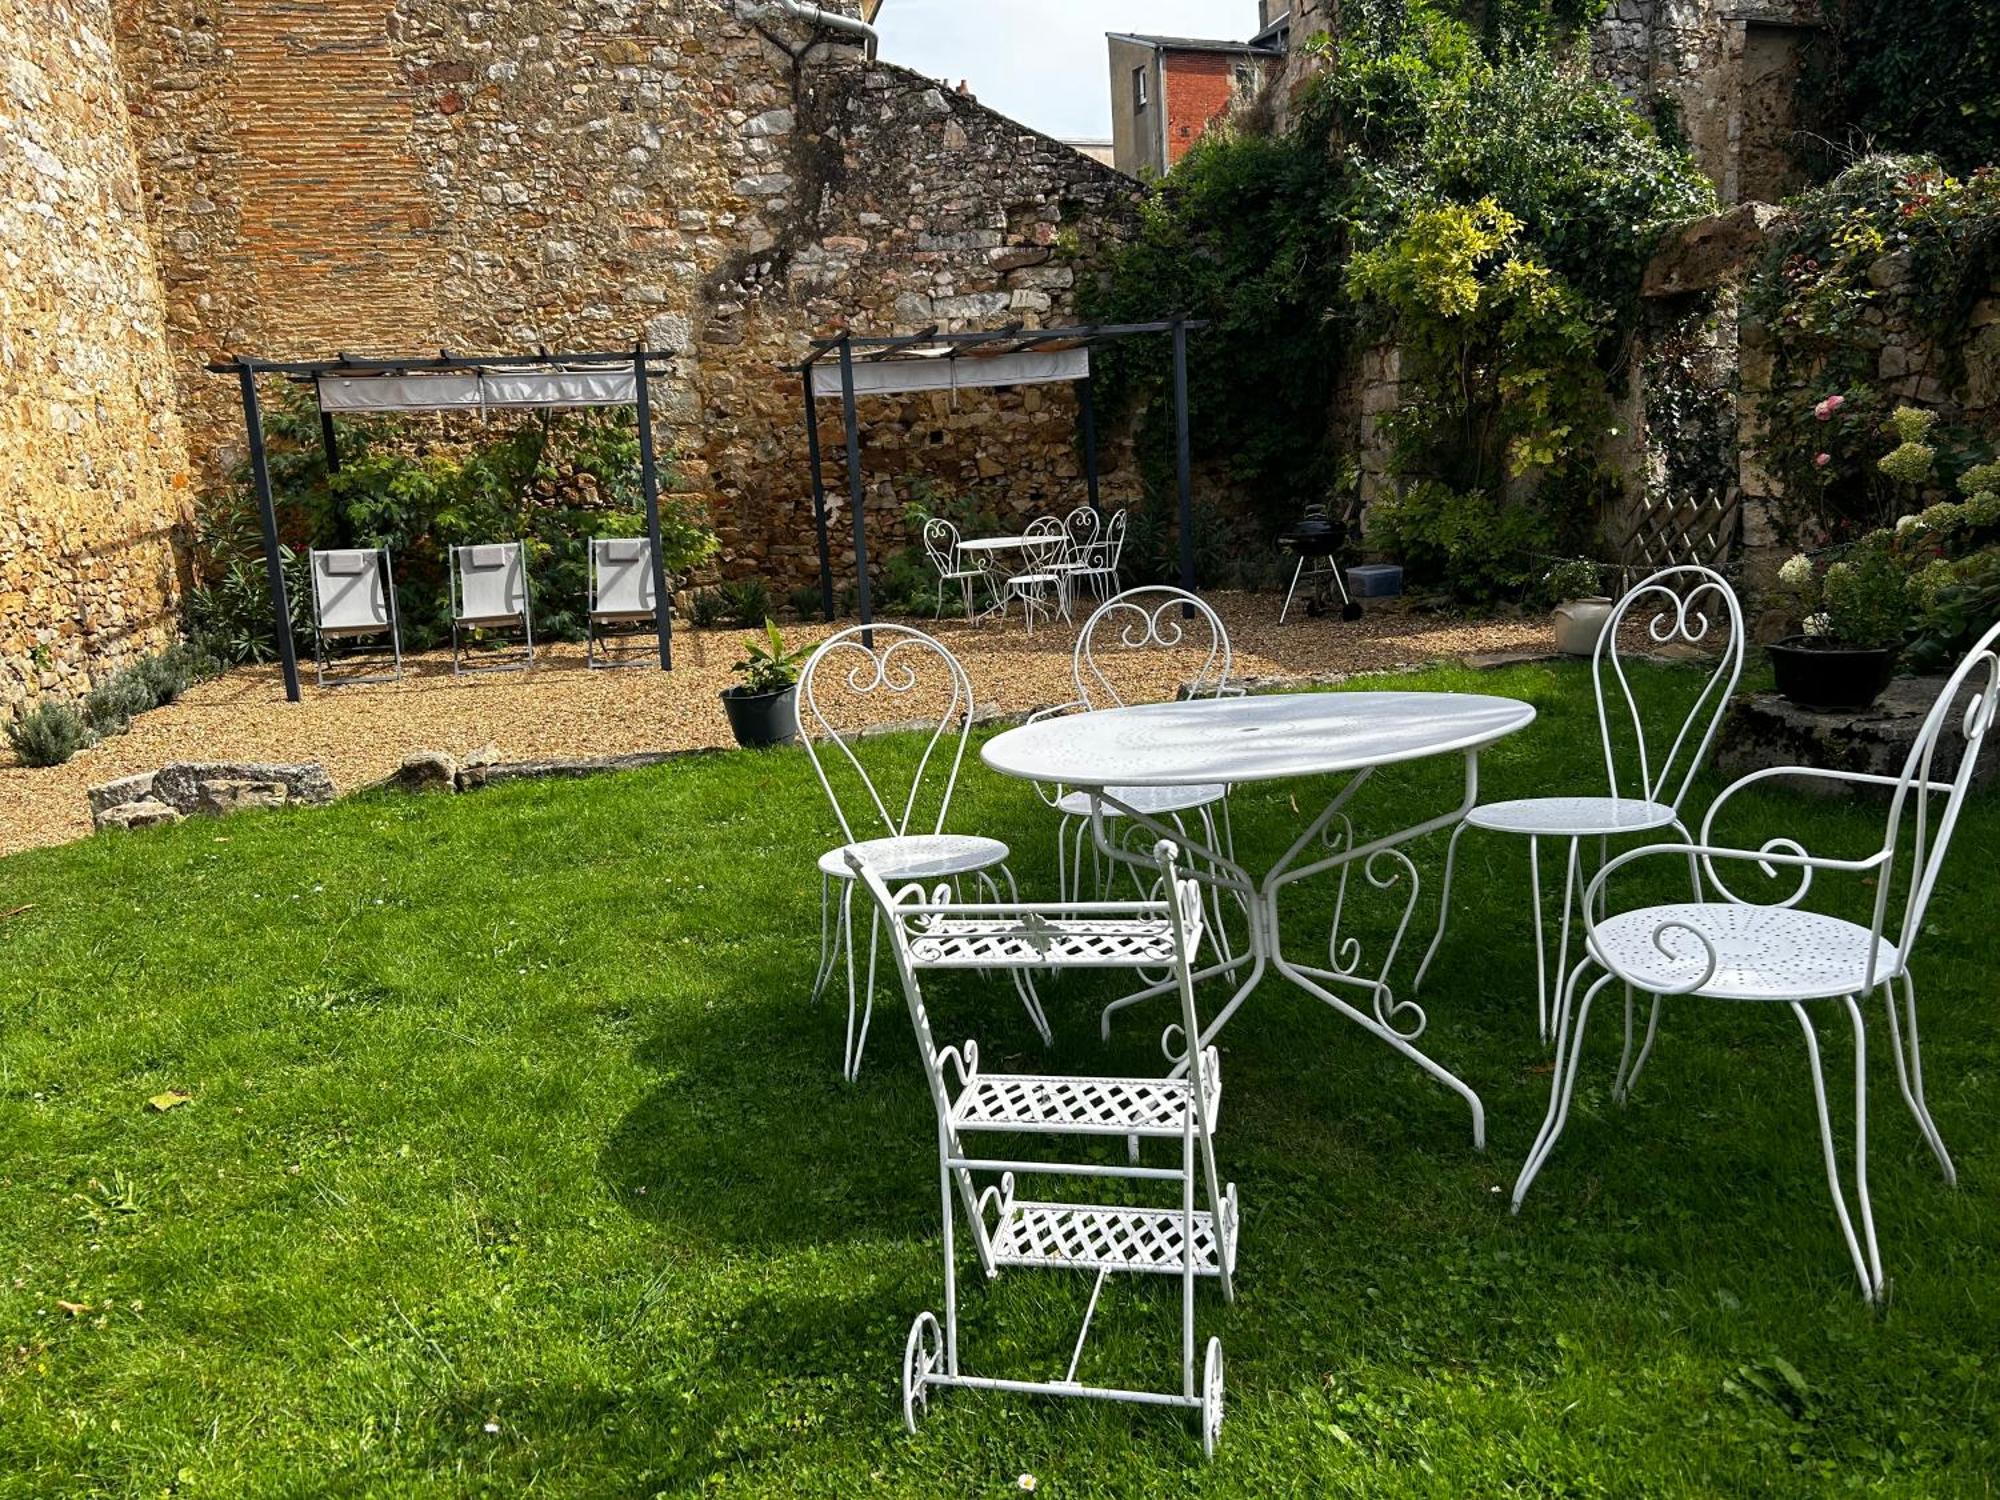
(759, 720)
(1831, 677)
(1579, 622)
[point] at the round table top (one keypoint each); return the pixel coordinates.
(1266, 738)
(995, 543)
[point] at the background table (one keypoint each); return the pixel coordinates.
(1282, 737)
(1033, 550)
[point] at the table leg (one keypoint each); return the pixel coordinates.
(1383, 864)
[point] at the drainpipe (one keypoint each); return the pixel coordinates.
(832, 20)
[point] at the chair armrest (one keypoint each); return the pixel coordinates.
(1777, 854)
(1808, 773)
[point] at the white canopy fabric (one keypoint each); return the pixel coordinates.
(935, 371)
(479, 390)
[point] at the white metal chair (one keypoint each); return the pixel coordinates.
(941, 546)
(1775, 952)
(1039, 585)
(353, 598)
(1688, 604)
(849, 691)
(489, 592)
(1161, 931)
(1096, 568)
(1081, 528)
(1148, 619)
(622, 601)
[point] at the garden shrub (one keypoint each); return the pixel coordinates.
(47, 734)
(110, 707)
(1453, 189)
(747, 601)
(1906, 75)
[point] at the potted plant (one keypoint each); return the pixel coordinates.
(1581, 611)
(1853, 615)
(763, 709)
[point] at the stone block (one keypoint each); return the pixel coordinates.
(119, 793)
(1766, 730)
(1706, 253)
(144, 814)
(427, 771)
(216, 799)
(179, 784)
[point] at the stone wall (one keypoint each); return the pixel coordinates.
(389, 176)
(93, 465)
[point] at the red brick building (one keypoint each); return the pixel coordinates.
(1166, 90)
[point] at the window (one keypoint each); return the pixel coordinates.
(1138, 88)
(1246, 78)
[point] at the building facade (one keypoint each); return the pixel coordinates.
(1165, 91)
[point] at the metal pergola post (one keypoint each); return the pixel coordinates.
(328, 442)
(1086, 416)
(1182, 464)
(819, 497)
(649, 486)
(267, 515)
(854, 488)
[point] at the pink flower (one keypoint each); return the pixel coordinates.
(1825, 410)
(1821, 460)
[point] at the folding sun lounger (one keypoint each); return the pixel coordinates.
(489, 589)
(354, 598)
(622, 601)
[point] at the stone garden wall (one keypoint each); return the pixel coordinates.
(93, 465)
(387, 176)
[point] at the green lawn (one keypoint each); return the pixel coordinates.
(517, 1162)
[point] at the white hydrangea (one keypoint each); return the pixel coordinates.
(1907, 524)
(1820, 624)
(1797, 573)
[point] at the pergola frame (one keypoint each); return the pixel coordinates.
(519, 372)
(962, 354)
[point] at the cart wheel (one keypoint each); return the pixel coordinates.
(1350, 612)
(920, 1358)
(1211, 1399)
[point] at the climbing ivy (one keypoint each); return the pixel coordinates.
(1906, 75)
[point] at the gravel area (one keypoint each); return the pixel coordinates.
(560, 709)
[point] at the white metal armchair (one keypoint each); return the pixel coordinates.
(1687, 605)
(1161, 931)
(851, 689)
(1735, 949)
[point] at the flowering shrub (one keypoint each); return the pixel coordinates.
(1893, 247)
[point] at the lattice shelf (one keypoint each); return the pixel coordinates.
(1036, 942)
(1082, 1106)
(1090, 1238)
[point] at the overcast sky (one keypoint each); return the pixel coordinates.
(1043, 61)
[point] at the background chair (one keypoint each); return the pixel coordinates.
(848, 690)
(1775, 952)
(941, 546)
(1160, 931)
(1095, 568)
(353, 598)
(1645, 788)
(1039, 584)
(489, 592)
(622, 602)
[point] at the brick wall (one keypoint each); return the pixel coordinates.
(93, 465)
(1200, 86)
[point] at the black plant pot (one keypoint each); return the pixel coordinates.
(1834, 677)
(762, 719)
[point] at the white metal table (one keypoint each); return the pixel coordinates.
(1035, 551)
(1282, 737)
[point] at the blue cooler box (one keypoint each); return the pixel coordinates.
(1374, 580)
